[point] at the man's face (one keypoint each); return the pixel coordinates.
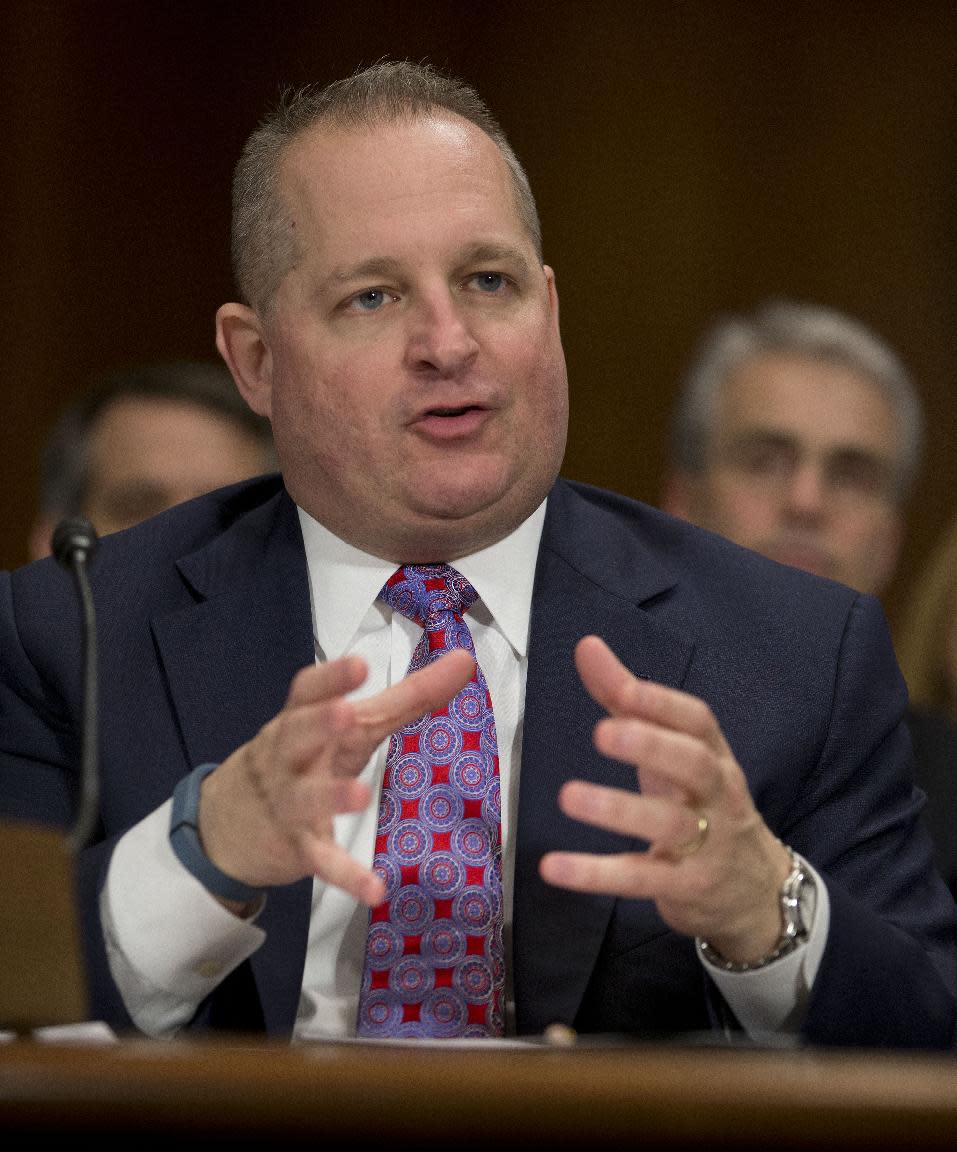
(148, 454)
(411, 363)
(801, 468)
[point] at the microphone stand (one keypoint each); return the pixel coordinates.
(74, 542)
(42, 977)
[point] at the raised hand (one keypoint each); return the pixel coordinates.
(266, 813)
(713, 867)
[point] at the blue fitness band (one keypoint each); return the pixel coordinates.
(185, 842)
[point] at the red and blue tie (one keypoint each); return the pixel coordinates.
(434, 964)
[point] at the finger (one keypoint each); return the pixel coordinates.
(348, 795)
(621, 693)
(335, 866)
(310, 799)
(327, 680)
(632, 875)
(607, 680)
(419, 692)
(663, 823)
(323, 737)
(668, 762)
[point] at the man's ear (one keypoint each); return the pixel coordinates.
(243, 345)
(886, 555)
(552, 289)
(41, 533)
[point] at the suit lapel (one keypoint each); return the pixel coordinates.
(229, 659)
(592, 577)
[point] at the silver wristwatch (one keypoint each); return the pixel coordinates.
(794, 931)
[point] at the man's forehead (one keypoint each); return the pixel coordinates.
(801, 375)
(340, 147)
(360, 196)
(388, 168)
(804, 393)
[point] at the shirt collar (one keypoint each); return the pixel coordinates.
(344, 582)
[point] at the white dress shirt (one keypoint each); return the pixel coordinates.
(150, 896)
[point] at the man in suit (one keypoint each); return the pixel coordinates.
(143, 439)
(700, 775)
(798, 432)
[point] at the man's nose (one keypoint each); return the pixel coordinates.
(807, 488)
(440, 338)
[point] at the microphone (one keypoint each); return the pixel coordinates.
(74, 542)
(74, 539)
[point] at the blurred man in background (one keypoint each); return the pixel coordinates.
(798, 433)
(145, 439)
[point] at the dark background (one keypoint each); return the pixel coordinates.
(687, 157)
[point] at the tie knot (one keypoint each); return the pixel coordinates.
(424, 592)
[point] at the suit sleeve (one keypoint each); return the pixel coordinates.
(39, 745)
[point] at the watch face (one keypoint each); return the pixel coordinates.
(796, 887)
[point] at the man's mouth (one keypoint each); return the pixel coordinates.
(452, 422)
(810, 558)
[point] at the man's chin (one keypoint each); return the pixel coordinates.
(468, 518)
(807, 559)
(464, 492)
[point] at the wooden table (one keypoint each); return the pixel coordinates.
(588, 1095)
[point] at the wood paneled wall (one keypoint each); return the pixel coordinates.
(688, 157)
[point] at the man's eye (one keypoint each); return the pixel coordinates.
(370, 300)
(489, 281)
(861, 475)
(765, 460)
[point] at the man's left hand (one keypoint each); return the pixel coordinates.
(713, 867)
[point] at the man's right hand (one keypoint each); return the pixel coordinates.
(266, 813)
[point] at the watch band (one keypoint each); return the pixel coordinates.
(185, 842)
(794, 931)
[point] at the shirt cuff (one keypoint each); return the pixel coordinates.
(773, 999)
(148, 897)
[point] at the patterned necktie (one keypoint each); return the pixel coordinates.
(434, 963)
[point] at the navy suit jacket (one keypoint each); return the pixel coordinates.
(204, 618)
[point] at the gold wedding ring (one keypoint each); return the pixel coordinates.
(694, 846)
